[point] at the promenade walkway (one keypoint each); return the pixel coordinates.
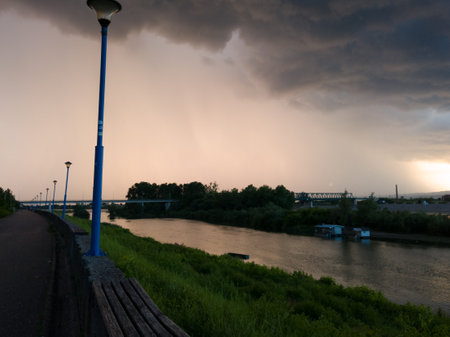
(25, 268)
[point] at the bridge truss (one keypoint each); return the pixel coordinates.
(308, 196)
(89, 202)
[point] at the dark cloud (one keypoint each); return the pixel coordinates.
(399, 50)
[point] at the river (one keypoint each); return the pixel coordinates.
(413, 273)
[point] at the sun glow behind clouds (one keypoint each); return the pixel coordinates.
(436, 175)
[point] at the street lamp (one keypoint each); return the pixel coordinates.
(40, 200)
(54, 188)
(68, 163)
(104, 9)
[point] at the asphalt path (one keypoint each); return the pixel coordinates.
(25, 261)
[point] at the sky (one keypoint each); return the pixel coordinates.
(315, 95)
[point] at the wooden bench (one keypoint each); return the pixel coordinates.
(127, 310)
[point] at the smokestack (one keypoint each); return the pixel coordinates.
(396, 192)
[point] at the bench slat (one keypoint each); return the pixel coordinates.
(165, 321)
(119, 312)
(133, 313)
(149, 317)
(106, 312)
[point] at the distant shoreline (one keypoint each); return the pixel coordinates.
(411, 238)
(432, 209)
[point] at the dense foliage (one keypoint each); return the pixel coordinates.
(7, 202)
(221, 296)
(80, 211)
(195, 196)
(369, 214)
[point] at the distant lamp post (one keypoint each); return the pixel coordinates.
(40, 199)
(104, 9)
(46, 198)
(68, 163)
(54, 189)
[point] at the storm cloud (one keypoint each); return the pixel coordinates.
(381, 52)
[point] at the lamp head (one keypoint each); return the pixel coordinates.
(54, 182)
(104, 9)
(68, 163)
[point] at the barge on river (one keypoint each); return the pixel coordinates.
(328, 230)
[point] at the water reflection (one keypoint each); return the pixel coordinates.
(403, 272)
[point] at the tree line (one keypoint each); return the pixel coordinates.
(7, 202)
(196, 196)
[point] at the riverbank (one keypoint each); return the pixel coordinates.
(211, 295)
(411, 238)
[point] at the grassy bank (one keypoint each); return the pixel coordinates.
(220, 296)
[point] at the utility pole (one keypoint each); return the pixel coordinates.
(396, 193)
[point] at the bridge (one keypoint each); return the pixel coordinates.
(37, 203)
(302, 197)
(307, 196)
(299, 197)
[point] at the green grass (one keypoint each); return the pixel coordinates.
(210, 295)
(4, 212)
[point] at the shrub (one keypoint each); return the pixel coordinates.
(80, 212)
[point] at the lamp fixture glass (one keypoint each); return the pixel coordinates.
(104, 9)
(68, 163)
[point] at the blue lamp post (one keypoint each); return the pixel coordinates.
(54, 189)
(104, 9)
(68, 163)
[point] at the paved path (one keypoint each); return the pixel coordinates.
(25, 260)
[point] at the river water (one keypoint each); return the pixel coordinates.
(403, 272)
